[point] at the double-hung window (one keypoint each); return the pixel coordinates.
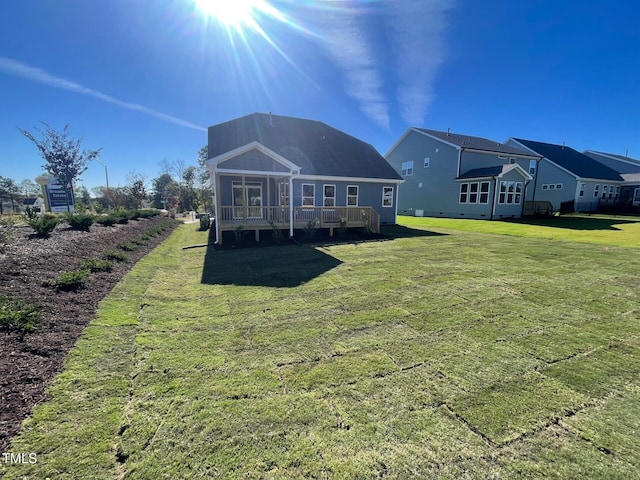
(308, 194)
(329, 196)
(510, 193)
(387, 196)
(352, 195)
(474, 192)
(596, 190)
(407, 168)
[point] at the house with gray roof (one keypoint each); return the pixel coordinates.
(569, 179)
(461, 176)
(277, 172)
(629, 170)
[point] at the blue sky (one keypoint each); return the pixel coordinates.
(142, 79)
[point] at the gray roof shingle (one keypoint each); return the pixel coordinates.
(577, 163)
(476, 143)
(315, 147)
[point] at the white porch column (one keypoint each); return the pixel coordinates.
(216, 210)
(291, 206)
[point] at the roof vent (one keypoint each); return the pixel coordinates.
(448, 131)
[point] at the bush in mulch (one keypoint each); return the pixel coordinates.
(17, 315)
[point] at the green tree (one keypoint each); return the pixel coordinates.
(137, 188)
(165, 192)
(64, 157)
(204, 179)
(8, 189)
(188, 195)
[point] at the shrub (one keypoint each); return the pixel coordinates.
(71, 280)
(277, 233)
(205, 222)
(342, 228)
(97, 265)
(148, 213)
(115, 256)
(17, 315)
(80, 221)
(30, 214)
(128, 246)
(44, 225)
(238, 233)
(107, 220)
(310, 229)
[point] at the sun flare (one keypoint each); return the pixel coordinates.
(230, 13)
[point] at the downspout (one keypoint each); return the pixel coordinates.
(216, 192)
(294, 175)
(461, 149)
(535, 182)
(493, 200)
(524, 197)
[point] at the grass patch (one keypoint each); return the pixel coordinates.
(464, 355)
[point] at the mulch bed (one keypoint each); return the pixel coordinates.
(28, 362)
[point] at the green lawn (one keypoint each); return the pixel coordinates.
(460, 349)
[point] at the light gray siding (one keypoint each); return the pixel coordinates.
(433, 189)
(550, 174)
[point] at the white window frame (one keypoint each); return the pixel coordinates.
(312, 197)
(485, 193)
(636, 197)
(463, 198)
(356, 196)
(582, 187)
(612, 189)
(387, 197)
(559, 186)
(252, 210)
(510, 193)
(512, 161)
(596, 190)
(332, 199)
(407, 169)
(532, 167)
(427, 162)
(605, 191)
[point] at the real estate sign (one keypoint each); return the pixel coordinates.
(57, 197)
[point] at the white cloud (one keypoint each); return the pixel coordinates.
(18, 69)
(348, 46)
(417, 29)
(353, 34)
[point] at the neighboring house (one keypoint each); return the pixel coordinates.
(276, 172)
(35, 203)
(451, 175)
(629, 170)
(568, 179)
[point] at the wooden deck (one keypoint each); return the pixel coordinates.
(266, 218)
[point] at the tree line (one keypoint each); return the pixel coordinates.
(179, 187)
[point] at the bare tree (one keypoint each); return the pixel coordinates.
(63, 155)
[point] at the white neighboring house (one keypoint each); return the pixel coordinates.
(36, 203)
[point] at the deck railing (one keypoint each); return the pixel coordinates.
(324, 217)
